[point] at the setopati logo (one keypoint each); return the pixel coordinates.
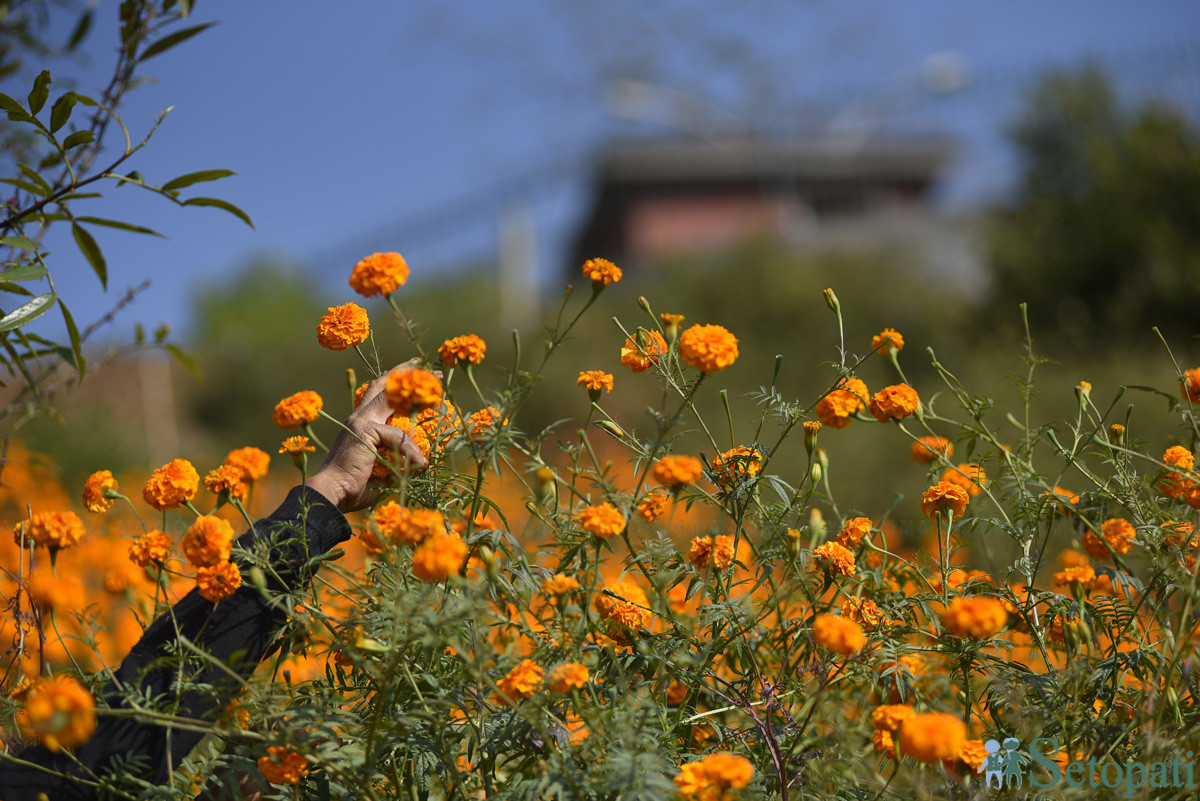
(1007, 766)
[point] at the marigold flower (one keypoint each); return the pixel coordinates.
(439, 557)
(58, 712)
(652, 506)
(640, 356)
(883, 743)
(1178, 533)
(970, 757)
(838, 634)
(677, 693)
(944, 497)
(968, 475)
(926, 449)
(865, 612)
(595, 380)
(711, 551)
(521, 682)
(932, 737)
(410, 390)
(420, 524)
(847, 398)
(465, 349)
(894, 403)
(854, 531)
(566, 677)
(1083, 576)
(1069, 557)
(708, 348)
(50, 529)
(603, 520)
(736, 465)
(714, 777)
(282, 766)
(343, 327)
(676, 471)
(1190, 385)
(379, 274)
(482, 423)
(171, 485)
(218, 581)
(296, 446)
(1172, 484)
(1117, 532)
(153, 547)
(976, 616)
(835, 558)
(253, 462)
(559, 585)
(96, 491)
(889, 339)
(889, 716)
(227, 478)
(208, 540)
(1064, 497)
(671, 324)
(297, 410)
(624, 608)
(601, 272)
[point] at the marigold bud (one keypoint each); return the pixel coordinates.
(831, 301)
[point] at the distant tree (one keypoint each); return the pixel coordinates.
(1104, 235)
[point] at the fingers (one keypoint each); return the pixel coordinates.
(395, 440)
(374, 405)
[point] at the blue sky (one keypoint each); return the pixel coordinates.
(342, 119)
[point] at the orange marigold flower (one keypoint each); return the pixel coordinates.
(412, 390)
(970, 757)
(58, 712)
(439, 557)
(736, 465)
(595, 380)
(894, 403)
(343, 327)
(1069, 557)
(623, 606)
(838, 634)
(711, 551)
(601, 272)
(932, 737)
(864, 612)
(419, 525)
(465, 349)
(835, 558)
(171, 485)
(559, 585)
(976, 616)
(379, 274)
(1172, 484)
(282, 766)
(296, 410)
(671, 323)
(153, 547)
(1117, 532)
(1063, 497)
(521, 682)
(640, 356)
(714, 777)
(653, 506)
(227, 478)
(50, 529)
(218, 581)
(847, 398)
(676, 471)
(482, 423)
(1190, 385)
(944, 497)
(854, 531)
(208, 540)
(708, 348)
(296, 446)
(253, 462)
(603, 520)
(1177, 534)
(1084, 576)
(677, 693)
(97, 491)
(889, 339)
(968, 475)
(566, 677)
(890, 716)
(883, 743)
(926, 449)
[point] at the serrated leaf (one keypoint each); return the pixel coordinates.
(39, 92)
(19, 242)
(76, 341)
(11, 105)
(25, 272)
(195, 178)
(220, 204)
(27, 313)
(60, 112)
(184, 358)
(91, 252)
(78, 138)
(167, 42)
(123, 226)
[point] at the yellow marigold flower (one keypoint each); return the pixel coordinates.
(601, 272)
(708, 348)
(595, 380)
(864, 612)
(894, 403)
(521, 682)
(640, 356)
(227, 478)
(1117, 532)
(835, 558)
(849, 397)
(58, 712)
(652, 506)
(218, 581)
(296, 410)
(559, 585)
(566, 677)
(854, 531)
(603, 521)
(944, 497)
(379, 274)
(736, 465)
(153, 547)
(714, 777)
(676, 471)
(976, 616)
(932, 737)
(96, 491)
(889, 339)
(282, 766)
(483, 423)
(412, 390)
(253, 462)
(926, 449)
(1083, 576)
(208, 540)
(1190, 385)
(968, 475)
(296, 446)
(343, 327)
(838, 634)
(171, 485)
(889, 716)
(439, 557)
(465, 349)
(50, 529)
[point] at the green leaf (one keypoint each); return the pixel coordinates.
(78, 138)
(60, 112)
(32, 174)
(25, 272)
(14, 289)
(81, 30)
(220, 204)
(167, 42)
(19, 184)
(10, 105)
(39, 92)
(91, 251)
(184, 358)
(19, 242)
(76, 341)
(124, 226)
(195, 178)
(27, 313)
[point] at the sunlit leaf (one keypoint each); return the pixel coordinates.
(27, 313)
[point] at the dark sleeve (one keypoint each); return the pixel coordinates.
(238, 631)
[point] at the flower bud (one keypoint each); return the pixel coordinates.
(1083, 391)
(351, 379)
(795, 547)
(671, 324)
(816, 473)
(546, 489)
(490, 563)
(644, 304)
(816, 523)
(823, 459)
(1116, 433)
(609, 427)
(811, 429)
(831, 301)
